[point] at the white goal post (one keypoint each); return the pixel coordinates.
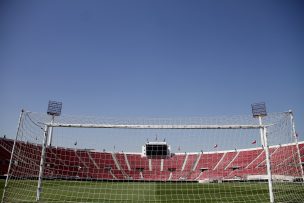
(237, 159)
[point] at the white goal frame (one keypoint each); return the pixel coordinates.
(263, 130)
(48, 128)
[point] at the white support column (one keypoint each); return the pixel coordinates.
(261, 131)
(150, 164)
(196, 161)
(12, 154)
(294, 133)
(41, 167)
(116, 161)
(162, 165)
(50, 137)
(127, 162)
(185, 162)
(170, 176)
(266, 148)
(92, 160)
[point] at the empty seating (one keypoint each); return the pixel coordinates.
(87, 164)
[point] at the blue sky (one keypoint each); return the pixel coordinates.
(151, 58)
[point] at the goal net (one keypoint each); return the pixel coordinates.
(197, 159)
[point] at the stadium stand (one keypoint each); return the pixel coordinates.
(68, 163)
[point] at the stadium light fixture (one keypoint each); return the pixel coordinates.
(54, 109)
(259, 109)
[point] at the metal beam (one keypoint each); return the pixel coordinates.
(130, 126)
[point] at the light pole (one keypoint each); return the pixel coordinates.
(54, 109)
(259, 111)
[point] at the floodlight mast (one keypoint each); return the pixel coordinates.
(54, 109)
(259, 111)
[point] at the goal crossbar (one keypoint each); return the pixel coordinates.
(128, 126)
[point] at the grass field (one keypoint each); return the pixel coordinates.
(127, 192)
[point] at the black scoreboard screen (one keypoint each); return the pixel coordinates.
(156, 150)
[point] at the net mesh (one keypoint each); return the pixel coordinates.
(110, 164)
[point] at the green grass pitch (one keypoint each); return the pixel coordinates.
(138, 192)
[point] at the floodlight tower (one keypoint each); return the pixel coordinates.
(54, 109)
(259, 111)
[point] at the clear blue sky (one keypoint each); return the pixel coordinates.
(167, 58)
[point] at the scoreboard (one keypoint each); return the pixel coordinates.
(156, 149)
